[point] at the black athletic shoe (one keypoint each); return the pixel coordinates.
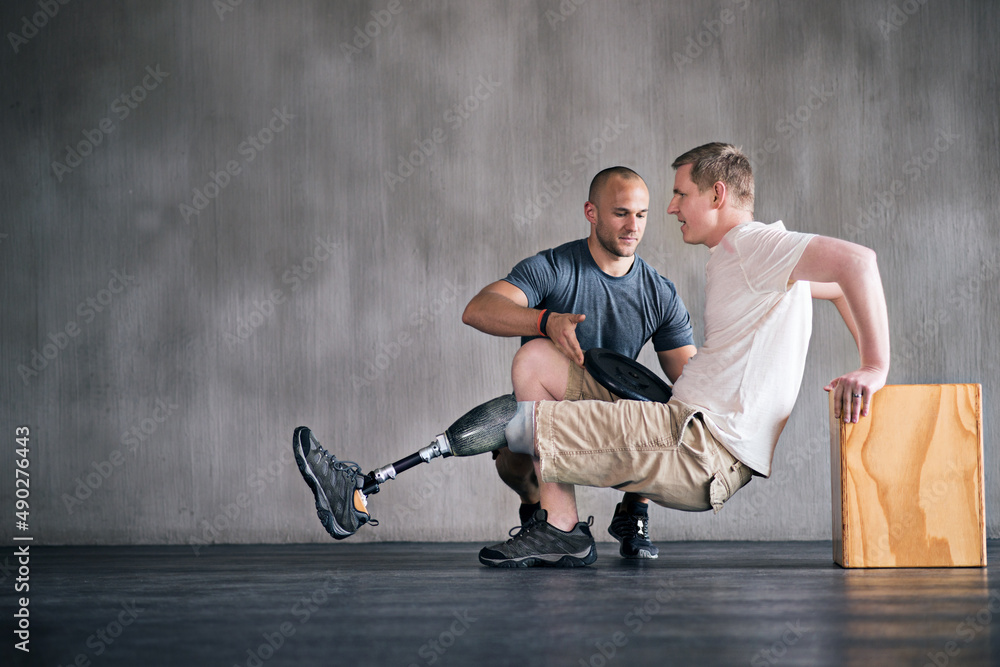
(527, 512)
(540, 543)
(336, 485)
(630, 526)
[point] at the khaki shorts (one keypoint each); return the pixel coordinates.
(662, 451)
(581, 386)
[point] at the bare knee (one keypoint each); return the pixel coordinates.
(533, 355)
(539, 371)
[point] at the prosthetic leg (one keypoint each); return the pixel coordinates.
(479, 430)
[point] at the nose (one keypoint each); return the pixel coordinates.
(672, 208)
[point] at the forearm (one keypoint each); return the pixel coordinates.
(845, 312)
(855, 271)
(673, 361)
(865, 300)
(499, 316)
(857, 293)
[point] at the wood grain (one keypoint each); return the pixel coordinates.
(907, 481)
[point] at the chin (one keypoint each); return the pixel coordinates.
(620, 251)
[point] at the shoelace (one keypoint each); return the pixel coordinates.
(635, 526)
(642, 527)
(350, 467)
(353, 470)
(517, 530)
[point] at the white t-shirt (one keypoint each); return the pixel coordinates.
(746, 376)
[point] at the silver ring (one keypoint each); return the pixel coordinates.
(856, 395)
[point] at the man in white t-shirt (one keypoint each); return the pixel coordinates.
(729, 405)
(734, 397)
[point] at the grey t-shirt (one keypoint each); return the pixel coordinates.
(622, 313)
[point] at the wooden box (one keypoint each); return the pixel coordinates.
(907, 480)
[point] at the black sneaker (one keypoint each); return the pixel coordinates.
(336, 485)
(630, 526)
(538, 542)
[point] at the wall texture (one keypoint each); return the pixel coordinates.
(224, 219)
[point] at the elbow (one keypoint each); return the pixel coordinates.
(862, 261)
(869, 262)
(869, 257)
(469, 315)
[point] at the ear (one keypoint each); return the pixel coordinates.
(590, 211)
(719, 193)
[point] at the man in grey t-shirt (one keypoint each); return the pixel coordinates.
(594, 292)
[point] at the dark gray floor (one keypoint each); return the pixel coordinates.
(704, 603)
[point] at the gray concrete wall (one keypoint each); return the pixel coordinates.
(217, 225)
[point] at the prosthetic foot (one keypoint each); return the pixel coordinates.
(478, 431)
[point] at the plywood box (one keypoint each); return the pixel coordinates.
(907, 480)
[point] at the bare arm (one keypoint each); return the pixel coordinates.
(501, 309)
(672, 361)
(855, 271)
(832, 292)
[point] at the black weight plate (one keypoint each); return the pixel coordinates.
(625, 377)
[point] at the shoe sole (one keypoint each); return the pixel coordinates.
(544, 560)
(323, 511)
(642, 553)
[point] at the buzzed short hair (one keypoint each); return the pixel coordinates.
(716, 162)
(604, 175)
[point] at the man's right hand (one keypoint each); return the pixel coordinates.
(561, 329)
(501, 309)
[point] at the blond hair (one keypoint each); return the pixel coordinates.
(716, 162)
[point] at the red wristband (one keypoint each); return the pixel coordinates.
(541, 322)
